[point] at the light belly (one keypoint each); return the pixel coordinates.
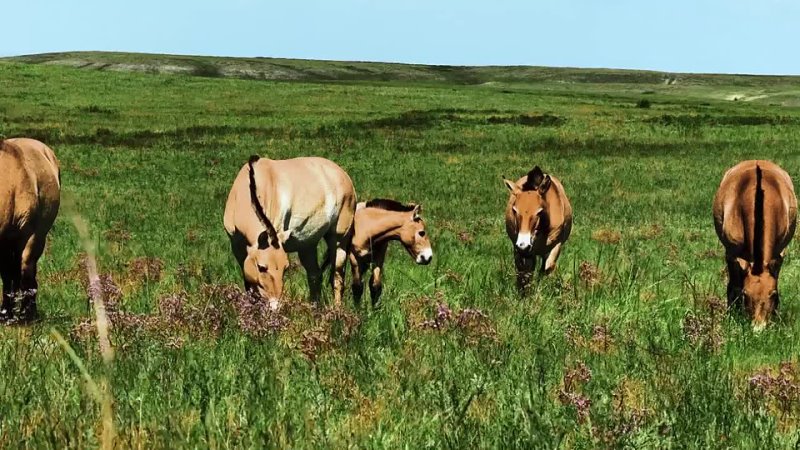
(308, 230)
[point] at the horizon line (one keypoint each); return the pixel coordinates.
(407, 63)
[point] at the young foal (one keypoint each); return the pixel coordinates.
(377, 223)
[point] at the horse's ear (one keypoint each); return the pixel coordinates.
(744, 265)
(263, 240)
(774, 266)
(417, 211)
(545, 184)
(513, 187)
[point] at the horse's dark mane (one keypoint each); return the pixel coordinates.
(262, 216)
(535, 178)
(758, 226)
(389, 205)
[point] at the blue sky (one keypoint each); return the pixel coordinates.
(732, 36)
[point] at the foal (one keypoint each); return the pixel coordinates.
(378, 222)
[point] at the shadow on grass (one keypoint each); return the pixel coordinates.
(707, 120)
(414, 120)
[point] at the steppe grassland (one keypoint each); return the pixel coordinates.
(625, 345)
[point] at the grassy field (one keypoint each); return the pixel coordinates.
(627, 345)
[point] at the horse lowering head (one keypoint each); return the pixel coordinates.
(760, 290)
(266, 261)
(529, 207)
(264, 267)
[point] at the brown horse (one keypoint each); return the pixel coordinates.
(538, 222)
(276, 207)
(755, 215)
(30, 195)
(377, 223)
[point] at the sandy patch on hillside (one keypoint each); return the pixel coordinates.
(742, 97)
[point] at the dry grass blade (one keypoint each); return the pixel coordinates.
(95, 289)
(101, 392)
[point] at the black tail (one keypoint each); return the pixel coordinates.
(262, 216)
(758, 228)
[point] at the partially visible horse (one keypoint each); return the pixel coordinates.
(30, 195)
(377, 223)
(755, 215)
(538, 222)
(277, 207)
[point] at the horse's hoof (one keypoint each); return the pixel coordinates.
(6, 316)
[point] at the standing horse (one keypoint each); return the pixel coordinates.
(276, 207)
(30, 195)
(755, 215)
(538, 222)
(377, 223)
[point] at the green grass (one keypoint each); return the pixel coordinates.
(148, 160)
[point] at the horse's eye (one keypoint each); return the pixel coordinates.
(262, 269)
(422, 233)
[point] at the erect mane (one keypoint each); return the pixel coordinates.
(262, 216)
(534, 179)
(389, 205)
(758, 226)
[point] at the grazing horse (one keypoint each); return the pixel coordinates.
(276, 207)
(377, 223)
(30, 194)
(755, 214)
(538, 222)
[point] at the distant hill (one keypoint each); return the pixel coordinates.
(310, 70)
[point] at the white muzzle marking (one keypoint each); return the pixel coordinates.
(524, 241)
(273, 304)
(425, 256)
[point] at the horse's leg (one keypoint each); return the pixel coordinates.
(525, 265)
(9, 271)
(357, 269)
(337, 255)
(308, 258)
(735, 282)
(239, 249)
(29, 287)
(376, 280)
(549, 264)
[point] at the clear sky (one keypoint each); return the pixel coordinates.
(733, 36)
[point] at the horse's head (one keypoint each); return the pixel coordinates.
(264, 267)
(529, 206)
(760, 291)
(414, 237)
(266, 261)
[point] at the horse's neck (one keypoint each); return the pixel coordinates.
(380, 226)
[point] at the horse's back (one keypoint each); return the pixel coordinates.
(735, 200)
(563, 213)
(31, 181)
(313, 178)
(301, 196)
